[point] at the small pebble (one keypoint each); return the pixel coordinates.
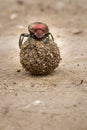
(37, 102)
(16, 94)
(20, 2)
(76, 32)
(81, 54)
(13, 16)
(74, 105)
(14, 83)
(20, 26)
(19, 70)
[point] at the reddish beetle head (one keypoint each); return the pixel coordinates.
(38, 29)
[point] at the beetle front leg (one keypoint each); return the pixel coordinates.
(51, 36)
(46, 39)
(21, 38)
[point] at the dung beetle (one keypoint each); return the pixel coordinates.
(37, 31)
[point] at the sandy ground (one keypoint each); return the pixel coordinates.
(54, 102)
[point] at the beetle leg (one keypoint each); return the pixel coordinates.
(30, 37)
(46, 39)
(21, 38)
(51, 36)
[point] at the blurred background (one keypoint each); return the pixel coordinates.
(16, 15)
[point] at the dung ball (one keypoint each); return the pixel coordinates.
(38, 57)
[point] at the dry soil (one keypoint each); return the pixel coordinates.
(54, 102)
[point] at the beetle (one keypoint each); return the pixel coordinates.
(37, 31)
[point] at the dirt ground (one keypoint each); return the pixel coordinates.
(54, 102)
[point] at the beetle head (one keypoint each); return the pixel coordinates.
(38, 29)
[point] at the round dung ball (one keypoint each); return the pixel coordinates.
(38, 57)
